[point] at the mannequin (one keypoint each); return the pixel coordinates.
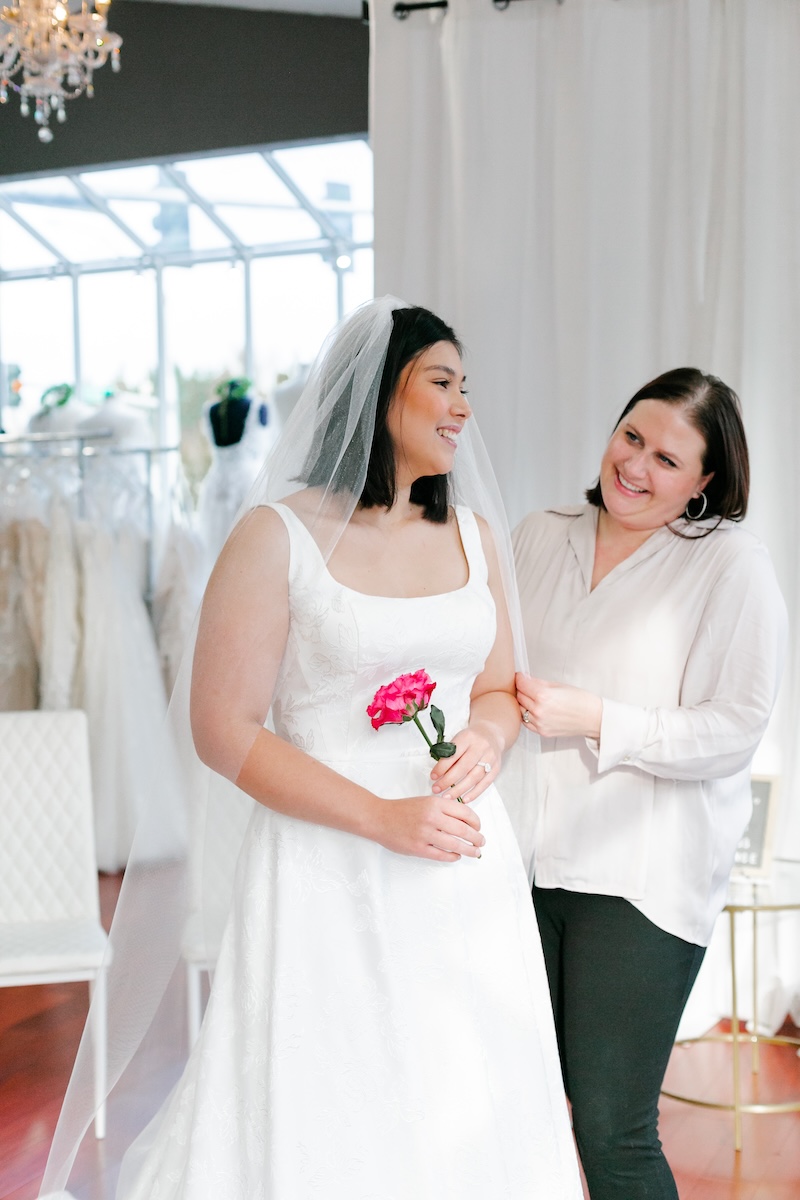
(228, 415)
(61, 411)
(127, 424)
(240, 437)
(288, 392)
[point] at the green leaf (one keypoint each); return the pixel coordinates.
(442, 750)
(437, 720)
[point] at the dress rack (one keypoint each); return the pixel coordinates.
(82, 446)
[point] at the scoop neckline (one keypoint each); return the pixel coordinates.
(374, 595)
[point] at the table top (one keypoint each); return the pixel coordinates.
(776, 891)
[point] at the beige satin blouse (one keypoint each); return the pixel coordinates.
(685, 642)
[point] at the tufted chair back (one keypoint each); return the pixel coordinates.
(48, 870)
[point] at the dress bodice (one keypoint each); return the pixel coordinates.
(343, 645)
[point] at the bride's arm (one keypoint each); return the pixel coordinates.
(494, 721)
(241, 638)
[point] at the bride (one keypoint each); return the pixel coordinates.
(379, 1024)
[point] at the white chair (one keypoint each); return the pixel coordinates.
(50, 929)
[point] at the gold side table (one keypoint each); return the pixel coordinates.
(780, 893)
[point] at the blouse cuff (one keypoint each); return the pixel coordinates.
(623, 733)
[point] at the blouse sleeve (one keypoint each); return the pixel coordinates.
(729, 685)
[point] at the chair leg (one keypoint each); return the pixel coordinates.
(193, 1001)
(97, 992)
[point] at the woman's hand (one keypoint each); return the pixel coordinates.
(465, 773)
(433, 827)
(558, 709)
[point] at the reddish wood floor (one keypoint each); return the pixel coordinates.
(39, 1033)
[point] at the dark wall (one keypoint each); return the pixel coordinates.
(197, 78)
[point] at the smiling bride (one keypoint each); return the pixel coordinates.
(379, 1024)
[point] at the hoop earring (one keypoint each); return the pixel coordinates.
(696, 516)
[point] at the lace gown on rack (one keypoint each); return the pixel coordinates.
(379, 1026)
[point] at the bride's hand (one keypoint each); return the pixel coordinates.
(465, 773)
(434, 827)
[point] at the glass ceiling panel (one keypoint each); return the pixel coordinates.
(56, 209)
(19, 249)
(237, 179)
(337, 178)
(124, 183)
(80, 232)
(203, 233)
(265, 226)
(249, 198)
(55, 189)
(157, 210)
(143, 217)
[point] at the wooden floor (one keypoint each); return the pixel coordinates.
(40, 1029)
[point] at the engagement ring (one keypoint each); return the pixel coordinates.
(526, 716)
(485, 766)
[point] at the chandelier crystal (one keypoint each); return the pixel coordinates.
(53, 53)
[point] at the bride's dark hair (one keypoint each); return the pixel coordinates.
(413, 331)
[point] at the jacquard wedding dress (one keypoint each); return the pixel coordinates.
(380, 1025)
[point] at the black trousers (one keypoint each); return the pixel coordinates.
(619, 985)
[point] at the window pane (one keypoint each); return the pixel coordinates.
(294, 298)
(53, 189)
(121, 182)
(158, 210)
(20, 249)
(56, 209)
(37, 347)
(118, 334)
(337, 178)
(236, 178)
(359, 281)
(251, 199)
(294, 307)
(204, 319)
(269, 226)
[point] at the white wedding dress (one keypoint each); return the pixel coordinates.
(379, 1026)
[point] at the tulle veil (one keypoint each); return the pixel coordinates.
(170, 914)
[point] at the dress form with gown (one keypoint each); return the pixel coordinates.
(240, 437)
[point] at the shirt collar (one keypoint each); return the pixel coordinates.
(582, 533)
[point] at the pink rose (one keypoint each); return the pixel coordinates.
(401, 699)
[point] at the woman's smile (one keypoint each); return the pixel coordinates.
(625, 485)
(449, 433)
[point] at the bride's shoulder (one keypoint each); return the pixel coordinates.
(317, 507)
(303, 503)
(466, 517)
(482, 534)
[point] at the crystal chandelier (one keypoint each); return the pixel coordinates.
(54, 53)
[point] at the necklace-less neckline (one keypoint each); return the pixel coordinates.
(376, 595)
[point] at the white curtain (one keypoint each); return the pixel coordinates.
(593, 192)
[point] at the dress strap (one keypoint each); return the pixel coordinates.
(300, 541)
(473, 546)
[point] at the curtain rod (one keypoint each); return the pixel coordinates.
(403, 10)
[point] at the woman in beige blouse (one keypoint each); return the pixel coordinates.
(656, 630)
